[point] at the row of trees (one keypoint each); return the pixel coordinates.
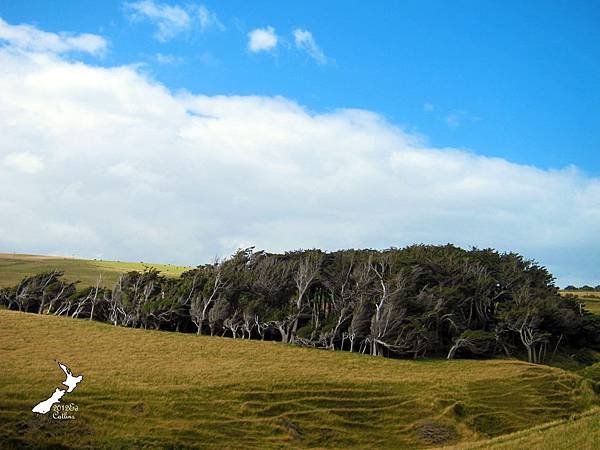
(412, 302)
(584, 288)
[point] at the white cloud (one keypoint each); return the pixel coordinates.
(262, 39)
(29, 38)
(306, 42)
(170, 20)
(209, 19)
(136, 172)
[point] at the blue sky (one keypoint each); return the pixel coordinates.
(180, 131)
(519, 80)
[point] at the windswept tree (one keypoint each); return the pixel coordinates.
(85, 303)
(217, 315)
(340, 279)
(390, 308)
(475, 342)
(39, 293)
(273, 283)
(306, 270)
(134, 297)
(208, 282)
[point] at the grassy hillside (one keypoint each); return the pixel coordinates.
(149, 388)
(14, 267)
(591, 299)
(581, 432)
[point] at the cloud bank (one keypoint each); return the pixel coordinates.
(104, 162)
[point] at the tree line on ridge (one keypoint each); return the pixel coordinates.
(418, 301)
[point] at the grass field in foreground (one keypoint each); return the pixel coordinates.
(591, 299)
(14, 267)
(153, 389)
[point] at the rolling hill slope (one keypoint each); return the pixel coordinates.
(149, 388)
(13, 267)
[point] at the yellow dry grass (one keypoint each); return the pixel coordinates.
(157, 389)
(591, 299)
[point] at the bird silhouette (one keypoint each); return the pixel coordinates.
(71, 381)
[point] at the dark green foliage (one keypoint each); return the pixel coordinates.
(411, 302)
(40, 293)
(584, 288)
